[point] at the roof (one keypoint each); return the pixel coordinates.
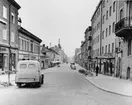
(53, 51)
(14, 3)
(96, 8)
(29, 34)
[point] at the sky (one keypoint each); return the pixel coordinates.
(51, 20)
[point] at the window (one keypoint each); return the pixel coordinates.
(121, 14)
(5, 34)
(12, 37)
(129, 47)
(103, 35)
(113, 28)
(109, 49)
(103, 19)
(110, 11)
(106, 31)
(12, 17)
(31, 66)
(103, 50)
(106, 49)
(23, 66)
(27, 46)
(114, 6)
(103, 3)
(4, 12)
(109, 29)
(106, 15)
(112, 47)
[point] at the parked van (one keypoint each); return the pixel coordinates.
(29, 72)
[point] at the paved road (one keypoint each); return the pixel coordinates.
(62, 86)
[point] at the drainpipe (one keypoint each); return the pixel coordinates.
(10, 64)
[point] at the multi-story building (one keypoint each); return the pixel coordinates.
(76, 52)
(84, 54)
(103, 32)
(96, 33)
(88, 39)
(123, 29)
(29, 45)
(47, 57)
(8, 34)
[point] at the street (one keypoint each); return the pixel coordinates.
(62, 86)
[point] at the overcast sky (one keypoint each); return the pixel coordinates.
(54, 19)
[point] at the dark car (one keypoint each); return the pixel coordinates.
(73, 66)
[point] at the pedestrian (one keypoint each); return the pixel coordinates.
(97, 70)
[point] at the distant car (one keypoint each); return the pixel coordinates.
(29, 72)
(73, 66)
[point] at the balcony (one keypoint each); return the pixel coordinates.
(123, 28)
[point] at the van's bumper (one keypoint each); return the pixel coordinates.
(29, 80)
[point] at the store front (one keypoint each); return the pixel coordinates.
(106, 64)
(4, 52)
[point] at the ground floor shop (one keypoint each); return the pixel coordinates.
(105, 63)
(4, 59)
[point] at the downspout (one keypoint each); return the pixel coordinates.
(10, 64)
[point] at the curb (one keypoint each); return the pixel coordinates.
(106, 90)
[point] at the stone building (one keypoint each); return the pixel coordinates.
(8, 35)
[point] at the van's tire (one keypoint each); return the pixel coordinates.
(42, 79)
(19, 85)
(39, 84)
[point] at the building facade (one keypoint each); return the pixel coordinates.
(103, 34)
(88, 39)
(29, 45)
(123, 29)
(8, 35)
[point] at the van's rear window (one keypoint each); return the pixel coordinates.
(23, 66)
(31, 66)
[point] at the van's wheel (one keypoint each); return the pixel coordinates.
(38, 84)
(42, 79)
(19, 85)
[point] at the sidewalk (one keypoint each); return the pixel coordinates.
(112, 84)
(4, 79)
